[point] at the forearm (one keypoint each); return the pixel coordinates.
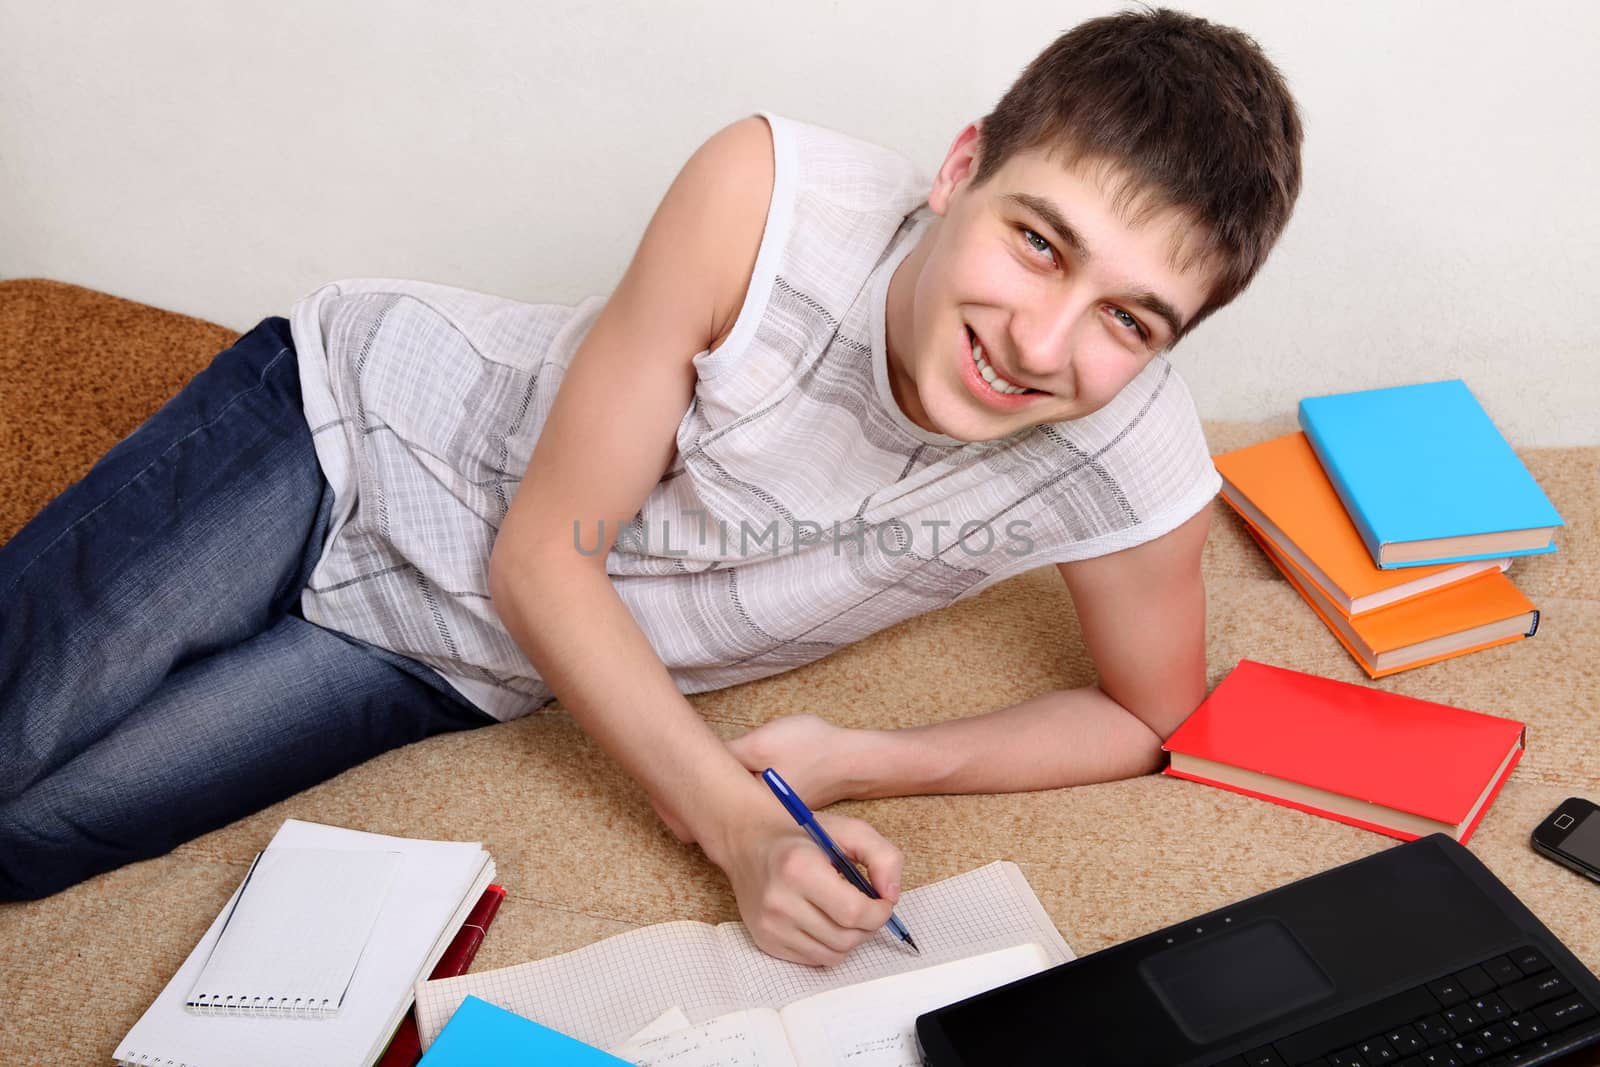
(1059, 738)
(587, 647)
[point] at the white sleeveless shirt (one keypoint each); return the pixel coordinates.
(802, 511)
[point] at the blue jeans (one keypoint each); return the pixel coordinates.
(156, 678)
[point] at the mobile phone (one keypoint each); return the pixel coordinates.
(1570, 835)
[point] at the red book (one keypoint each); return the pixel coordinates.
(1385, 762)
(405, 1048)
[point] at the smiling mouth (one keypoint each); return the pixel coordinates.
(990, 375)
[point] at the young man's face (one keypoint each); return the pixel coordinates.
(1035, 280)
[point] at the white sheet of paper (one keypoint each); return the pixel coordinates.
(875, 1024)
(669, 1021)
(740, 1039)
(293, 938)
(868, 1025)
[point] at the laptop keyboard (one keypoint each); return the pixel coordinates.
(1511, 1009)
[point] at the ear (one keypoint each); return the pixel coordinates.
(960, 163)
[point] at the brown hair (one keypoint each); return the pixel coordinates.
(1185, 113)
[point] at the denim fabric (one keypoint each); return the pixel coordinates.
(156, 679)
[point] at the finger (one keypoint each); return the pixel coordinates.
(845, 909)
(797, 947)
(792, 926)
(824, 942)
(883, 861)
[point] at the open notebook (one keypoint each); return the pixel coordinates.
(872, 1024)
(608, 992)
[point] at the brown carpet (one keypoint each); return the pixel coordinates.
(578, 847)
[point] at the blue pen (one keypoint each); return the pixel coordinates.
(841, 862)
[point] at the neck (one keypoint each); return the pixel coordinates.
(898, 329)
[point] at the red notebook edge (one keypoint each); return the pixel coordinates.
(1307, 808)
(464, 946)
(405, 1048)
(1466, 833)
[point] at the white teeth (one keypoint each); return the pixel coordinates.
(997, 383)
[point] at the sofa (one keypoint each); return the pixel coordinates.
(577, 845)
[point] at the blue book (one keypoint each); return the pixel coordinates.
(1426, 477)
(482, 1035)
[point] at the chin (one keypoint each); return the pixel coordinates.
(968, 425)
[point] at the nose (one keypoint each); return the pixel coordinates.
(1042, 335)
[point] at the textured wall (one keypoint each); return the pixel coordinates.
(222, 159)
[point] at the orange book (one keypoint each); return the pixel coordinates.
(1481, 612)
(1384, 762)
(1280, 488)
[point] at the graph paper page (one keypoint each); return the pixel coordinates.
(609, 991)
(980, 911)
(604, 992)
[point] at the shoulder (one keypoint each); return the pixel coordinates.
(849, 173)
(1149, 435)
(723, 192)
(770, 194)
(767, 177)
(1128, 474)
(735, 165)
(1159, 454)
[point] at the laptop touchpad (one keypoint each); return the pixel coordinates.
(1223, 984)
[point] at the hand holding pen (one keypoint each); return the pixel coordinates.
(808, 822)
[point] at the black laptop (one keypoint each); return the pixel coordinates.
(1415, 956)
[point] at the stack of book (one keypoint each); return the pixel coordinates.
(1395, 514)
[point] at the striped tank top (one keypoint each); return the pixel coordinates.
(802, 510)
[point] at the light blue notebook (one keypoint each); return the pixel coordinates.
(482, 1035)
(1426, 477)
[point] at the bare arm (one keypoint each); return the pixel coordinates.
(609, 437)
(1142, 611)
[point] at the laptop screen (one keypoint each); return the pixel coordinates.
(1242, 975)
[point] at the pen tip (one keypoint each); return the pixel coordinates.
(913, 945)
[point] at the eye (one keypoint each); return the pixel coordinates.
(1128, 322)
(1038, 244)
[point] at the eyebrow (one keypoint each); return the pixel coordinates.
(1053, 218)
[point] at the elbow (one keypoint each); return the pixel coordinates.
(513, 568)
(538, 569)
(501, 568)
(1151, 724)
(1135, 752)
(1163, 723)
(1149, 756)
(1160, 718)
(1163, 706)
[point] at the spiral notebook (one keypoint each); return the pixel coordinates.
(427, 896)
(291, 941)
